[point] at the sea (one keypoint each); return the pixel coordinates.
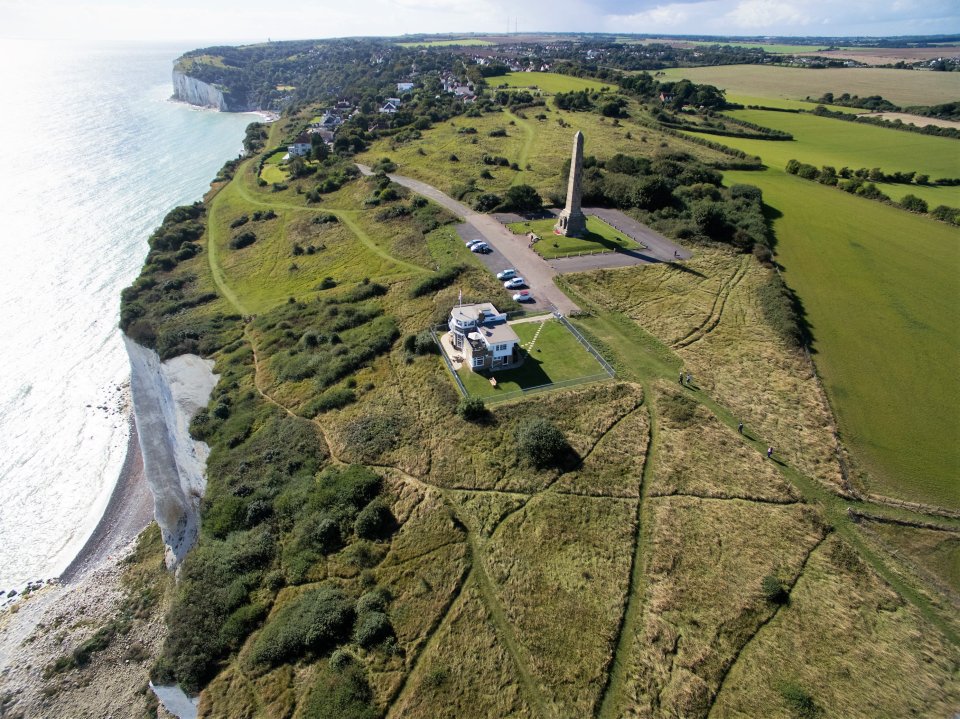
(93, 154)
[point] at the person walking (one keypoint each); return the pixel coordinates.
(769, 452)
(740, 428)
(681, 378)
(689, 379)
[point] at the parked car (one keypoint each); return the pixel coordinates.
(523, 296)
(481, 247)
(471, 243)
(507, 274)
(514, 283)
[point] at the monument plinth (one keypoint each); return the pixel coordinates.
(572, 222)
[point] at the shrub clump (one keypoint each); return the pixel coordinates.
(472, 409)
(375, 521)
(437, 281)
(773, 590)
(540, 442)
(244, 239)
(316, 621)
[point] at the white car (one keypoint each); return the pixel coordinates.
(471, 243)
(514, 283)
(481, 247)
(523, 296)
(507, 274)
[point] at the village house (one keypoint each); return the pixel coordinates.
(300, 147)
(481, 332)
(404, 86)
(391, 105)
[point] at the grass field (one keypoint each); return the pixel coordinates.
(556, 356)
(786, 104)
(538, 147)
(903, 87)
(550, 82)
(599, 237)
(880, 288)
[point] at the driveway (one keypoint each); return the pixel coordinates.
(510, 250)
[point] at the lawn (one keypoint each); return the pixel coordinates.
(600, 237)
(556, 356)
(880, 288)
(549, 82)
(903, 87)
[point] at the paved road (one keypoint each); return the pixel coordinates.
(510, 250)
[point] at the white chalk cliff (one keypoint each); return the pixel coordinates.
(196, 92)
(166, 396)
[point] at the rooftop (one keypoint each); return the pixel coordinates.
(472, 313)
(495, 334)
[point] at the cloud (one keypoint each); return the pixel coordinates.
(244, 20)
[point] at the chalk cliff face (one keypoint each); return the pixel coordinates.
(197, 92)
(166, 396)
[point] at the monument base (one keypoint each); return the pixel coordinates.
(571, 224)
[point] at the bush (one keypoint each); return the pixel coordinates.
(437, 281)
(472, 409)
(487, 201)
(522, 198)
(342, 693)
(540, 443)
(314, 622)
(372, 435)
(375, 521)
(800, 701)
(242, 220)
(914, 204)
(679, 409)
(373, 601)
(773, 590)
(497, 132)
(242, 240)
(371, 628)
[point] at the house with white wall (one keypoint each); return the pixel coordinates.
(481, 332)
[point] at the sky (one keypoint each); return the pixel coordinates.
(239, 21)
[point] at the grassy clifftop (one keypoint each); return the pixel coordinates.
(366, 551)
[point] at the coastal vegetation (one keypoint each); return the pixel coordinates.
(368, 536)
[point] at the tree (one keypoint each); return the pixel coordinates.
(522, 198)
(540, 443)
(318, 148)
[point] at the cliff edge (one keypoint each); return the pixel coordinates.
(166, 396)
(197, 92)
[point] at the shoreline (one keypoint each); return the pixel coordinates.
(128, 512)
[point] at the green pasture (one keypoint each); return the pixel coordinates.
(549, 82)
(466, 42)
(599, 237)
(556, 356)
(825, 141)
(903, 87)
(775, 48)
(787, 104)
(880, 288)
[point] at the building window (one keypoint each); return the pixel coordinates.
(478, 361)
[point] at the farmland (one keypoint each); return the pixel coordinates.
(878, 285)
(903, 87)
(548, 82)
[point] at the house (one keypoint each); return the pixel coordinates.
(404, 86)
(391, 105)
(666, 97)
(300, 147)
(481, 332)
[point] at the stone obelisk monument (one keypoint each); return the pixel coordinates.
(572, 221)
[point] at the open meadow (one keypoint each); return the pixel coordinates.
(549, 82)
(902, 87)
